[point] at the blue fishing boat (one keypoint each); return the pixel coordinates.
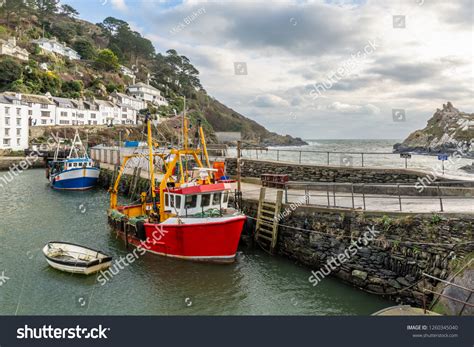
(76, 172)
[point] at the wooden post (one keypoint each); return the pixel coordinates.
(261, 199)
(329, 200)
(300, 158)
(352, 191)
(328, 159)
(278, 155)
(440, 198)
(275, 224)
(363, 195)
(334, 193)
(399, 196)
(239, 145)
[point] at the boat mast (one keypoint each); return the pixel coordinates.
(150, 160)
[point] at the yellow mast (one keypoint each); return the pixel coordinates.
(150, 160)
(204, 148)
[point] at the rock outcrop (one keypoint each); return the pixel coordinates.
(448, 131)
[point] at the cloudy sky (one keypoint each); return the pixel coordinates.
(317, 69)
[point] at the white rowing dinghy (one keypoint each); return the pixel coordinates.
(74, 258)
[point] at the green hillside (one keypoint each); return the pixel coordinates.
(104, 47)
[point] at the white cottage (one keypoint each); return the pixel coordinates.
(54, 46)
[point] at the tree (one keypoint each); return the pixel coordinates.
(10, 71)
(107, 60)
(45, 7)
(69, 11)
(9, 7)
(85, 49)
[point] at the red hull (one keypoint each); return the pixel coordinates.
(215, 241)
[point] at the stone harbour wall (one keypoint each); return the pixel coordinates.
(390, 265)
(312, 173)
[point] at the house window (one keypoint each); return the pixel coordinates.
(18, 121)
(63, 122)
(124, 109)
(43, 121)
(7, 121)
(18, 142)
(30, 104)
(6, 142)
(7, 132)
(18, 132)
(45, 113)
(30, 112)
(18, 111)
(7, 110)
(93, 115)
(63, 114)
(44, 106)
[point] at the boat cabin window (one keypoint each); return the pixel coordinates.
(216, 199)
(178, 201)
(190, 201)
(167, 200)
(205, 200)
(225, 197)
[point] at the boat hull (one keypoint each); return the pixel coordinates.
(76, 179)
(196, 239)
(77, 269)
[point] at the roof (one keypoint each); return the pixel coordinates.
(58, 100)
(104, 103)
(4, 100)
(143, 85)
(200, 189)
(36, 99)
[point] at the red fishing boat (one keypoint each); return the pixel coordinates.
(187, 216)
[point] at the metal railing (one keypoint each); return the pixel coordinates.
(332, 193)
(340, 158)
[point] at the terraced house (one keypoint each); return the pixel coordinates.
(13, 123)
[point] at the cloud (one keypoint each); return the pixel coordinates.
(119, 5)
(290, 47)
(353, 109)
(269, 100)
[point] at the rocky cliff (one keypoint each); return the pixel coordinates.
(449, 130)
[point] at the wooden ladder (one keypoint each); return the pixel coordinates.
(266, 230)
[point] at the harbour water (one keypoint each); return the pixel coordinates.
(32, 214)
